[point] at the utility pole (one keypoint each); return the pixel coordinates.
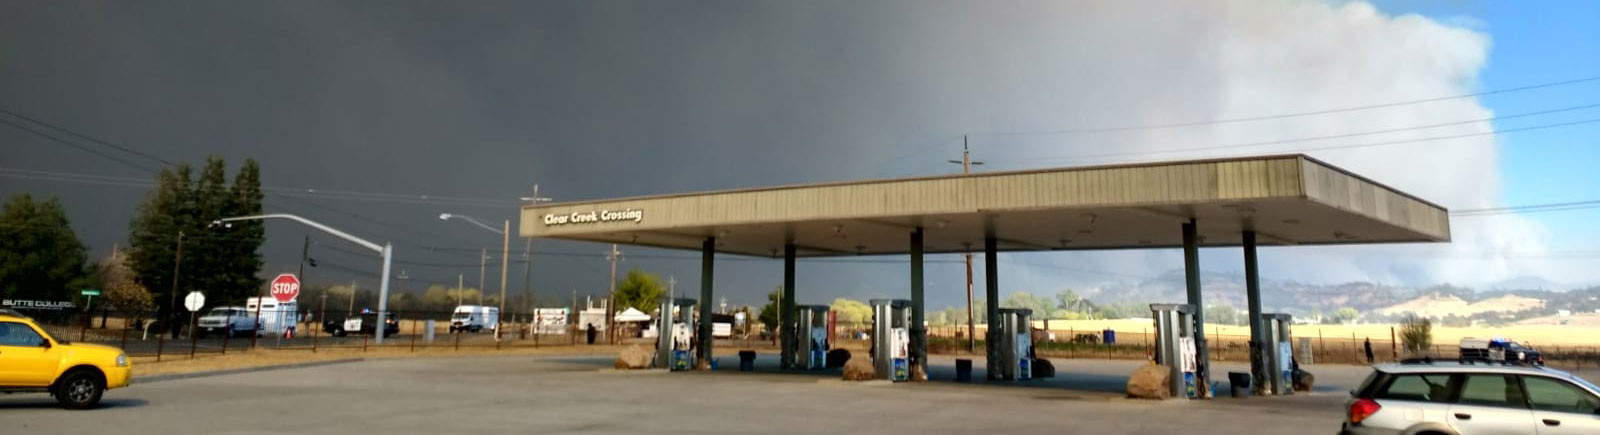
(505, 251)
(351, 310)
(972, 329)
(611, 303)
(483, 260)
(177, 260)
(461, 292)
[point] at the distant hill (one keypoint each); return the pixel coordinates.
(1508, 300)
(1436, 305)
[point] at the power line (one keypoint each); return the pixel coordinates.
(1299, 114)
(85, 137)
(274, 190)
(1528, 208)
(1325, 137)
(75, 145)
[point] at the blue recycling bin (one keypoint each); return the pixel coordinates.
(1108, 336)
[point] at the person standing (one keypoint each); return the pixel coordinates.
(1368, 346)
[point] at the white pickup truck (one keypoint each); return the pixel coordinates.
(233, 321)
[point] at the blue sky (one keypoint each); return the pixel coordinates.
(1539, 42)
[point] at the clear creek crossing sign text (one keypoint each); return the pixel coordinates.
(590, 217)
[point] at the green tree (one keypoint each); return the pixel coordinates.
(40, 256)
(769, 312)
(1347, 315)
(850, 311)
(121, 290)
(1070, 300)
(222, 262)
(1222, 315)
(241, 256)
(1416, 334)
(1041, 307)
(639, 290)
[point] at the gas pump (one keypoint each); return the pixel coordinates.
(1016, 344)
(813, 334)
(891, 338)
(675, 326)
(1175, 346)
(1279, 357)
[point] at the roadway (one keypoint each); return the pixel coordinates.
(583, 395)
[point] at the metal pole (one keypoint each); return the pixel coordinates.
(461, 291)
(786, 312)
(919, 332)
(505, 252)
(1191, 267)
(707, 256)
(1258, 332)
(351, 309)
(383, 293)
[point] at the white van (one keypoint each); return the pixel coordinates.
(474, 318)
(276, 317)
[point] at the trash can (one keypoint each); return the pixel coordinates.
(747, 360)
(1239, 383)
(1108, 336)
(963, 370)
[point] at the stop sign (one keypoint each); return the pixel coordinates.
(285, 287)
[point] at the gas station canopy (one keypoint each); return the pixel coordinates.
(1285, 199)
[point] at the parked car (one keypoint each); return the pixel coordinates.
(1495, 349)
(365, 323)
(76, 374)
(1471, 397)
(234, 321)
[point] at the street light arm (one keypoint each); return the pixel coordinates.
(327, 229)
(385, 250)
(479, 223)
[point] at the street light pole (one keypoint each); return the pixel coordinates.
(386, 250)
(972, 329)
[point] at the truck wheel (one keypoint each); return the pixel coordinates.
(80, 389)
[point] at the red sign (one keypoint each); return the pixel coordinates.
(285, 287)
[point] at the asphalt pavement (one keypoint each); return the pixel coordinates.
(583, 395)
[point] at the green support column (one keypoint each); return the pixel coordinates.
(786, 311)
(919, 332)
(991, 306)
(1191, 275)
(708, 252)
(1252, 293)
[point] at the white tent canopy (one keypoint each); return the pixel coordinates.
(632, 315)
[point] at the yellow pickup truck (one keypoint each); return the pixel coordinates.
(76, 374)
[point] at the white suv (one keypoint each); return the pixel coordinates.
(1463, 398)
